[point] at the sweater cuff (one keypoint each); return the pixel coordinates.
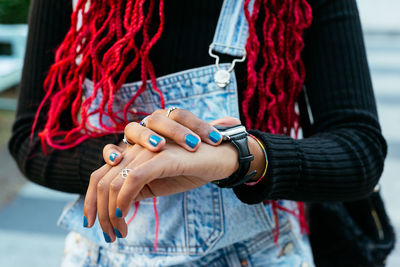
(283, 174)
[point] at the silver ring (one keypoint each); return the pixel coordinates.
(125, 172)
(143, 121)
(170, 110)
(126, 141)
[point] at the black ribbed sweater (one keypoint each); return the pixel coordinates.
(340, 158)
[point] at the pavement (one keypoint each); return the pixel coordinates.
(28, 213)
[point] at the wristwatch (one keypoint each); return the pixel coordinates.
(237, 136)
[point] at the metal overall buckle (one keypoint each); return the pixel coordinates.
(222, 77)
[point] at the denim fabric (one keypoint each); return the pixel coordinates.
(207, 226)
(193, 224)
(259, 251)
(232, 29)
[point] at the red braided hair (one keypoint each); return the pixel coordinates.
(276, 84)
(104, 47)
(86, 52)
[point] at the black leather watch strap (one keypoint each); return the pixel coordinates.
(245, 158)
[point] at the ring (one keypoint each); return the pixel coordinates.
(126, 141)
(170, 110)
(124, 173)
(143, 121)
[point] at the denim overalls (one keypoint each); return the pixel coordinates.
(207, 226)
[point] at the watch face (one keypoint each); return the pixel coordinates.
(222, 128)
(228, 131)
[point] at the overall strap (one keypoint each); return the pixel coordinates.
(232, 29)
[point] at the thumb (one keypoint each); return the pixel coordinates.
(112, 154)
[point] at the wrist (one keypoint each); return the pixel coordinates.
(259, 161)
(237, 136)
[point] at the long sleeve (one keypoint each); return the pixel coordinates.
(69, 170)
(342, 154)
(65, 170)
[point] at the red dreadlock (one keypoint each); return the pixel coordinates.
(103, 44)
(86, 52)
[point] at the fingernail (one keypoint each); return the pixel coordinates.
(118, 213)
(214, 136)
(107, 237)
(113, 156)
(154, 140)
(117, 233)
(191, 140)
(85, 222)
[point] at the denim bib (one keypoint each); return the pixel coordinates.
(201, 221)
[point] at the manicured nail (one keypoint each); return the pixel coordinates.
(113, 156)
(191, 140)
(214, 136)
(85, 222)
(154, 140)
(118, 213)
(117, 233)
(107, 237)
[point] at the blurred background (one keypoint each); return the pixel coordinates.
(28, 213)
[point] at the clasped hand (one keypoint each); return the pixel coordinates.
(170, 155)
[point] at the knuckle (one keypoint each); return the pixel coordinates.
(115, 186)
(103, 221)
(178, 114)
(159, 111)
(95, 175)
(133, 175)
(201, 129)
(129, 127)
(178, 132)
(152, 119)
(101, 186)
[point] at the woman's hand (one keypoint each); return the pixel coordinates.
(172, 170)
(181, 126)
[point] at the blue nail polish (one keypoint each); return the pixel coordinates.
(113, 156)
(191, 140)
(154, 140)
(85, 222)
(117, 233)
(214, 136)
(107, 237)
(118, 213)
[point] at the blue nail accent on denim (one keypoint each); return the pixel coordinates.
(118, 213)
(85, 222)
(107, 237)
(117, 233)
(214, 136)
(191, 140)
(154, 140)
(113, 156)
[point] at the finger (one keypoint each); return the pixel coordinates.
(118, 223)
(102, 208)
(203, 129)
(112, 154)
(135, 183)
(90, 207)
(102, 191)
(227, 121)
(171, 129)
(144, 136)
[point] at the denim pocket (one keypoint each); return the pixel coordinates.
(190, 224)
(204, 226)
